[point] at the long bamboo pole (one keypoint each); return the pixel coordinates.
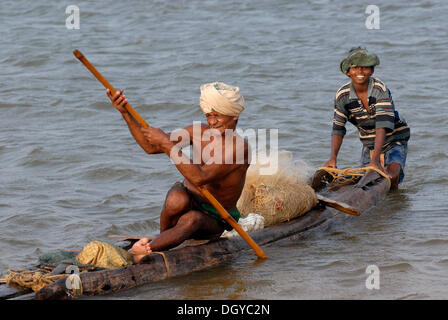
(222, 211)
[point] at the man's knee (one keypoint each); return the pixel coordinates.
(191, 220)
(394, 168)
(177, 200)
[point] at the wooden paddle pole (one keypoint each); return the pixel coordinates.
(223, 212)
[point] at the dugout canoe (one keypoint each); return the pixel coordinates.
(363, 195)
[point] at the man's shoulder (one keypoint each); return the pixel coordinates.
(196, 126)
(379, 86)
(241, 140)
(343, 92)
(241, 148)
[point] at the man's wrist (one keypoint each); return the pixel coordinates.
(166, 147)
(375, 157)
(125, 114)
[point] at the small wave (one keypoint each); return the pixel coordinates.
(11, 105)
(432, 242)
(268, 107)
(101, 106)
(34, 62)
(107, 173)
(400, 267)
(4, 205)
(79, 227)
(169, 115)
(11, 220)
(115, 198)
(138, 228)
(37, 157)
(165, 107)
(412, 296)
(439, 155)
(344, 236)
(331, 265)
(57, 102)
(195, 66)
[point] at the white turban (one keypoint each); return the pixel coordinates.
(222, 98)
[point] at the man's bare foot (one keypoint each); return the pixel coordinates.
(140, 249)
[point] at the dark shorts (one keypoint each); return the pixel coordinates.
(397, 153)
(206, 208)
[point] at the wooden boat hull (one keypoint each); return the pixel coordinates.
(371, 189)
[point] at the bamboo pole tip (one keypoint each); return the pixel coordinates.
(78, 54)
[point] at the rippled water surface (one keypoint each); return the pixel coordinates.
(70, 171)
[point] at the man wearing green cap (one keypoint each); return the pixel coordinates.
(367, 103)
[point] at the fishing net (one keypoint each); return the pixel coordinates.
(33, 279)
(334, 178)
(52, 259)
(281, 196)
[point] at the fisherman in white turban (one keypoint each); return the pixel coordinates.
(221, 168)
(222, 98)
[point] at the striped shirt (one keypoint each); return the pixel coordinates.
(382, 114)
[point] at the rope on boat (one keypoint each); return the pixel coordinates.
(167, 266)
(34, 279)
(40, 278)
(349, 175)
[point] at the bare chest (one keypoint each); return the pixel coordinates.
(365, 101)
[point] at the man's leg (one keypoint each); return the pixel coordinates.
(394, 169)
(395, 160)
(176, 203)
(188, 224)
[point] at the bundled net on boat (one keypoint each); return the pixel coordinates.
(33, 279)
(281, 196)
(335, 178)
(95, 255)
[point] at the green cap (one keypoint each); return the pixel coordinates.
(359, 57)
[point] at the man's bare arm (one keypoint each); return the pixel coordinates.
(336, 142)
(380, 136)
(201, 174)
(119, 101)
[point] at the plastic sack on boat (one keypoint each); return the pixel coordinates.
(252, 222)
(95, 253)
(104, 255)
(281, 196)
